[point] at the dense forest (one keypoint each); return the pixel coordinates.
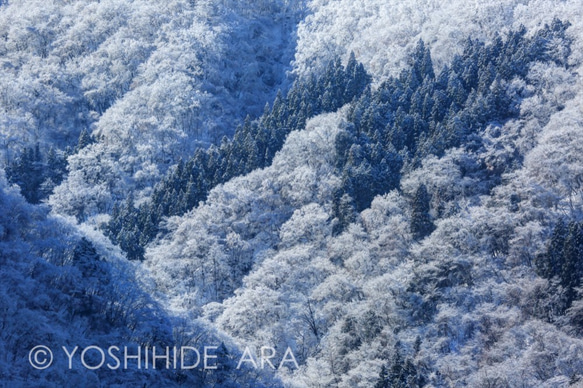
(320, 193)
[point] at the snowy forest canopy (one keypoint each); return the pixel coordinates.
(390, 192)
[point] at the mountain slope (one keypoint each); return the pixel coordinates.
(408, 213)
(149, 82)
(382, 33)
(433, 305)
(66, 288)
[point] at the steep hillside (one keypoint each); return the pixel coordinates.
(59, 290)
(327, 193)
(430, 283)
(382, 33)
(149, 82)
(68, 291)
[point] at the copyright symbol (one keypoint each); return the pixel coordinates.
(40, 357)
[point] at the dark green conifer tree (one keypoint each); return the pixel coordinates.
(421, 224)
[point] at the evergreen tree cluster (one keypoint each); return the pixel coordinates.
(563, 260)
(420, 112)
(400, 373)
(37, 173)
(253, 146)
(391, 129)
